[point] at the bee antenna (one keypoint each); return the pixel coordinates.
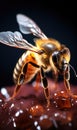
(73, 69)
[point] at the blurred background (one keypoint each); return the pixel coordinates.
(57, 19)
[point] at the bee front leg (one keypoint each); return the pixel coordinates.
(45, 85)
(66, 82)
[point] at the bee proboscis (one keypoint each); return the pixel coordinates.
(48, 54)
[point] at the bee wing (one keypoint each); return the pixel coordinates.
(16, 40)
(28, 26)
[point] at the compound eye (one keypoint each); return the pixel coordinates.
(55, 57)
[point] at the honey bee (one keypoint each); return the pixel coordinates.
(48, 54)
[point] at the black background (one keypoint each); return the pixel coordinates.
(56, 18)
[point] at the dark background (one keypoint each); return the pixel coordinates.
(57, 19)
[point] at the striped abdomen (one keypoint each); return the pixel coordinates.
(22, 73)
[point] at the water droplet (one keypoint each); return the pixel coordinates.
(18, 113)
(35, 123)
(5, 93)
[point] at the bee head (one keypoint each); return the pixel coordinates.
(61, 59)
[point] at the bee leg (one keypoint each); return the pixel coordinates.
(16, 90)
(67, 84)
(22, 78)
(55, 78)
(18, 85)
(45, 85)
(37, 83)
(44, 81)
(66, 80)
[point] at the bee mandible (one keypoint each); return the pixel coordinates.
(48, 54)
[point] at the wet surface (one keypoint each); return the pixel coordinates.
(29, 111)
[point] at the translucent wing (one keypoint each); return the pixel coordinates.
(28, 26)
(16, 40)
